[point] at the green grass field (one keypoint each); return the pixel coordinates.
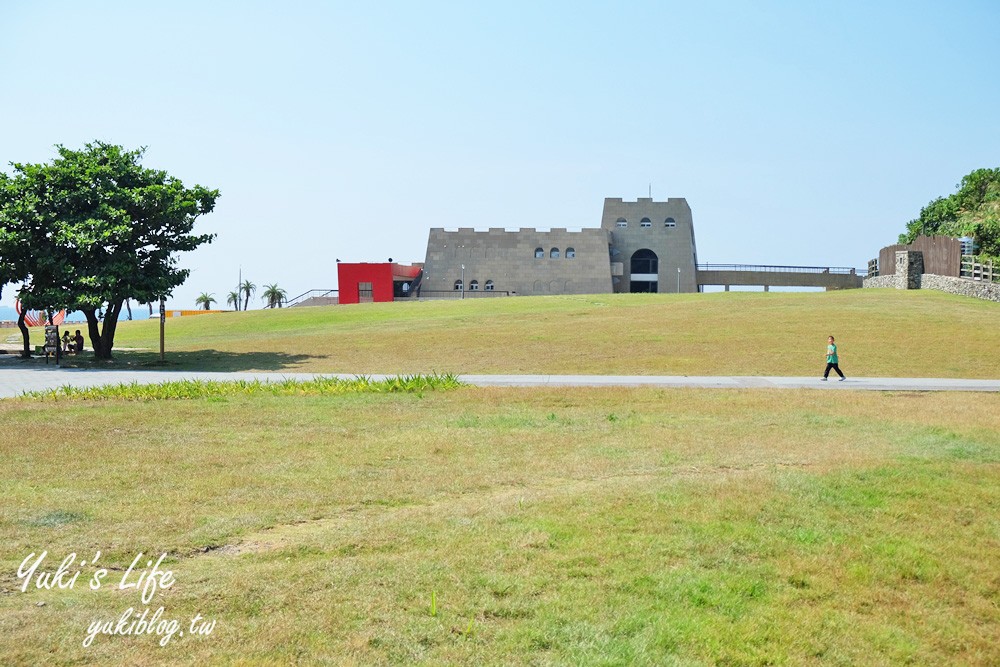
(503, 526)
(527, 526)
(881, 333)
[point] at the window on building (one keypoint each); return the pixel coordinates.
(669, 222)
(458, 285)
(554, 253)
(645, 222)
(489, 286)
(622, 223)
(539, 253)
(474, 286)
(570, 253)
(644, 261)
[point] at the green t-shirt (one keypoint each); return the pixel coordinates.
(831, 354)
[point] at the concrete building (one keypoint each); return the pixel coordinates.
(641, 246)
(651, 245)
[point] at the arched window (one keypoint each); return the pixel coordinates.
(644, 261)
(458, 285)
(622, 223)
(474, 286)
(539, 253)
(669, 222)
(645, 222)
(554, 253)
(489, 286)
(570, 253)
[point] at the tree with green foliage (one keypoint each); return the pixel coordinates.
(205, 301)
(233, 299)
(274, 296)
(973, 211)
(95, 227)
(20, 261)
(248, 289)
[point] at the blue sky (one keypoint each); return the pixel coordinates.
(799, 133)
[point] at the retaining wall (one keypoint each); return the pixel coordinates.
(881, 281)
(960, 286)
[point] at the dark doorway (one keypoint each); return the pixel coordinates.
(643, 268)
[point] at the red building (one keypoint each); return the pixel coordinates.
(375, 282)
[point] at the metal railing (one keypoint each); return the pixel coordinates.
(976, 269)
(764, 268)
(308, 294)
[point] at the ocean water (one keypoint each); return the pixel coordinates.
(8, 314)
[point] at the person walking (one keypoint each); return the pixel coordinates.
(831, 360)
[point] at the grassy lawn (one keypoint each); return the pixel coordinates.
(513, 526)
(881, 333)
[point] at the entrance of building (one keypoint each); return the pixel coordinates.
(644, 269)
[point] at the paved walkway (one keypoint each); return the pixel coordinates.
(15, 381)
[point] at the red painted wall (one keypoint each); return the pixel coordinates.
(349, 275)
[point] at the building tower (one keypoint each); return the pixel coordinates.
(652, 245)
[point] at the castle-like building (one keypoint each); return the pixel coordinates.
(641, 246)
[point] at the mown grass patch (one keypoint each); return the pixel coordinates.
(513, 526)
(735, 333)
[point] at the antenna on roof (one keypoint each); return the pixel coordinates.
(650, 189)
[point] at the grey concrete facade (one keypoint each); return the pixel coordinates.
(664, 228)
(560, 261)
(525, 262)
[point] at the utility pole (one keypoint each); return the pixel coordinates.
(163, 319)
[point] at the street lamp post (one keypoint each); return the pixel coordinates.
(678, 280)
(163, 319)
(463, 281)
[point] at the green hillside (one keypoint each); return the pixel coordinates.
(881, 333)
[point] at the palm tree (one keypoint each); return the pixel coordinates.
(247, 288)
(274, 295)
(205, 300)
(233, 299)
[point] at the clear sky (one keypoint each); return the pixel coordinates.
(799, 132)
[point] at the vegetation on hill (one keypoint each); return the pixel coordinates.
(973, 211)
(881, 333)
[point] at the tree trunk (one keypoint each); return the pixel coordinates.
(25, 334)
(129, 306)
(103, 340)
(93, 328)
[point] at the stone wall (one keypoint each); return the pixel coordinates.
(881, 281)
(962, 287)
(909, 268)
